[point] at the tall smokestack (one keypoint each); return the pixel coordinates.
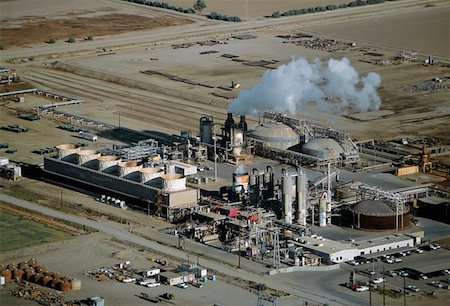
(228, 125)
(242, 124)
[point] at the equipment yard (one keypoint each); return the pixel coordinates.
(292, 152)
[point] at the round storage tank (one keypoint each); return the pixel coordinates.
(325, 148)
(126, 168)
(67, 149)
(107, 161)
(174, 182)
(276, 135)
(85, 156)
(148, 174)
(378, 215)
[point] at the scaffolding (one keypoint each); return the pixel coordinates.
(140, 151)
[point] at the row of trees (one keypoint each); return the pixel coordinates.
(199, 5)
(165, 6)
(217, 16)
(329, 7)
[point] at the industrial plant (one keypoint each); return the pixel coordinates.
(230, 153)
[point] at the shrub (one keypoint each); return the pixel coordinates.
(51, 41)
(71, 40)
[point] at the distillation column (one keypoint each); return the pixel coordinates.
(300, 211)
(287, 196)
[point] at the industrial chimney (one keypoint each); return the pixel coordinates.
(242, 124)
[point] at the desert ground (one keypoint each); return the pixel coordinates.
(128, 38)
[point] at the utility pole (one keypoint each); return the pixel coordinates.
(404, 291)
(370, 291)
(239, 246)
(384, 287)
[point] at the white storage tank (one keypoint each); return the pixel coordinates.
(148, 174)
(126, 168)
(85, 156)
(107, 161)
(174, 182)
(67, 149)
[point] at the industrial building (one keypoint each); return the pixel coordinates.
(258, 210)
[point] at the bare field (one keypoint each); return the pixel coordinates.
(26, 23)
(425, 31)
(43, 29)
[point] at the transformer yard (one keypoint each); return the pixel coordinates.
(190, 161)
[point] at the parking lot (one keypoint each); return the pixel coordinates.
(422, 273)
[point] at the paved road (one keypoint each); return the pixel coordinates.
(293, 286)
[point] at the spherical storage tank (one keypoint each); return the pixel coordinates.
(323, 148)
(174, 182)
(107, 161)
(276, 135)
(378, 215)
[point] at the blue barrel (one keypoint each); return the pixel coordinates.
(213, 278)
(205, 279)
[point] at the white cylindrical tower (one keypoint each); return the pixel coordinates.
(300, 211)
(107, 161)
(85, 156)
(174, 182)
(148, 174)
(67, 149)
(126, 168)
(323, 210)
(287, 196)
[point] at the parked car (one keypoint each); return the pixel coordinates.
(370, 272)
(198, 285)
(362, 289)
(434, 246)
(378, 280)
(388, 260)
(129, 280)
(436, 284)
(412, 288)
(418, 251)
(398, 260)
(402, 273)
(391, 273)
(152, 285)
(182, 285)
(353, 262)
(446, 271)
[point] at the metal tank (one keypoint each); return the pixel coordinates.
(276, 135)
(240, 182)
(254, 186)
(148, 174)
(107, 161)
(174, 182)
(287, 196)
(301, 189)
(268, 183)
(237, 140)
(127, 168)
(206, 129)
(228, 125)
(323, 210)
(85, 156)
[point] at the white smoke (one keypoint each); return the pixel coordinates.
(293, 86)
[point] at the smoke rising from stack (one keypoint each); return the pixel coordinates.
(293, 86)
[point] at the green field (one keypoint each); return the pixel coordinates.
(17, 232)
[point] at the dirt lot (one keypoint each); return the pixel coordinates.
(423, 31)
(87, 18)
(42, 29)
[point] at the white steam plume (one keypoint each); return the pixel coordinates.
(291, 87)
